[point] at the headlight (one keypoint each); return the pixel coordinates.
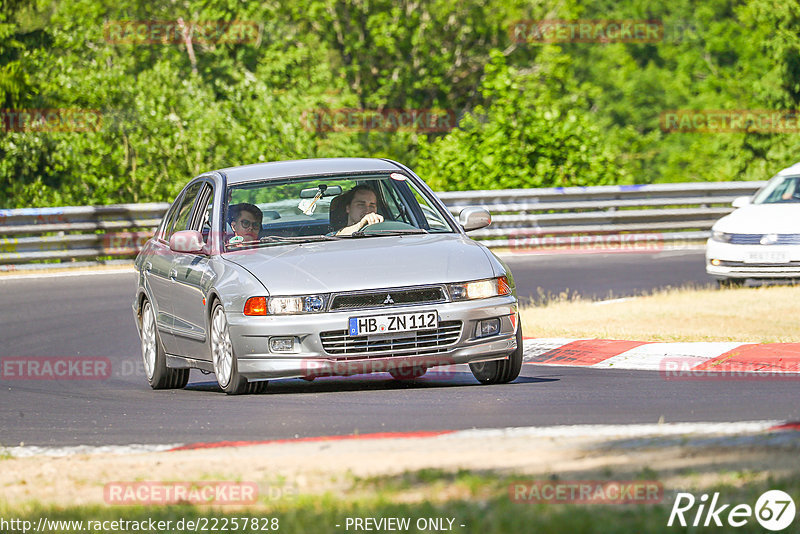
(722, 237)
(480, 289)
(285, 305)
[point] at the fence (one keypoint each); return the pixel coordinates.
(520, 218)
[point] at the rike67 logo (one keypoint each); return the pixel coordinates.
(774, 510)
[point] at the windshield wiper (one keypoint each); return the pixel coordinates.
(375, 233)
(279, 239)
(296, 239)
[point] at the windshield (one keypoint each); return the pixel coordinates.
(274, 212)
(780, 189)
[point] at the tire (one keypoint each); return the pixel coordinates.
(500, 371)
(159, 376)
(729, 283)
(408, 372)
(225, 361)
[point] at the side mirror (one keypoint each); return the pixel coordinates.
(186, 241)
(473, 218)
(740, 202)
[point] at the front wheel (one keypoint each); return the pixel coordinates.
(500, 371)
(226, 367)
(159, 376)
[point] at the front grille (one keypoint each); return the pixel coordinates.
(417, 342)
(755, 239)
(387, 298)
(727, 263)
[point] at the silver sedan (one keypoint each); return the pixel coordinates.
(326, 267)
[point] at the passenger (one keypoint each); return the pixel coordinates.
(245, 220)
(362, 209)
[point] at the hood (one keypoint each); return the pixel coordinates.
(365, 263)
(762, 219)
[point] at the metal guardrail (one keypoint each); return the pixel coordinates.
(521, 218)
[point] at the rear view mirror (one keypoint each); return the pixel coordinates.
(740, 202)
(473, 218)
(190, 241)
(326, 190)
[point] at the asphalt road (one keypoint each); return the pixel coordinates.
(603, 276)
(90, 316)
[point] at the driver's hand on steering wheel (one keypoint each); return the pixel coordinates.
(370, 218)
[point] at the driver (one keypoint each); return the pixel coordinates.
(362, 210)
(792, 192)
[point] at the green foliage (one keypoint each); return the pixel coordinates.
(531, 114)
(527, 136)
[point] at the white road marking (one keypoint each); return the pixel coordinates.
(536, 347)
(610, 431)
(28, 451)
(652, 356)
(566, 431)
(31, 276)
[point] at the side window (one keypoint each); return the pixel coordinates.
(185, 210)
(169, 219)
(435, 221)
(205, 207)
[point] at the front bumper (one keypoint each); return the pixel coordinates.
(752, 261)
(250, 337)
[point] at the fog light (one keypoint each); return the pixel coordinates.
(281, 344)
(715, 262)
(487, 327)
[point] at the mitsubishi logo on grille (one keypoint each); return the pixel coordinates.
(769, 239)
(388, 300)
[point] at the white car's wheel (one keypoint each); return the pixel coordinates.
(159, 376)
(224, 360)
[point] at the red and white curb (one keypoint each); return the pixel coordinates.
(744, 428)
(711, 357)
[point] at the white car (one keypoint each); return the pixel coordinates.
(761, 239)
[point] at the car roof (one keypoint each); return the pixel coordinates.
(306, 167)
(790, 171)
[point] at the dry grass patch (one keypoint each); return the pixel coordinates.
(758, 315)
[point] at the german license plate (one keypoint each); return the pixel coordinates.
(767, 257)
(385, 324)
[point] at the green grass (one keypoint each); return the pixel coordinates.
(751, 314)
(491, 512)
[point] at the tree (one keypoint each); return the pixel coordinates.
(532, 133)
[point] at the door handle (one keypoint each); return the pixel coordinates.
(173, 274)
(148, 266)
